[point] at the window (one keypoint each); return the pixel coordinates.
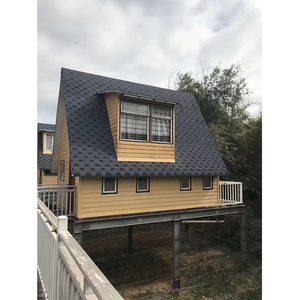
(62, 170)
(109, 185)
(134, 121)
(185, 184)
(49, 142)
(142, 184)
(161, 124)
(208, 183)
(137, 117)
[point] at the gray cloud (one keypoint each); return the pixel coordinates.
(144, 41)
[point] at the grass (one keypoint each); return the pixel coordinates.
(210, 268)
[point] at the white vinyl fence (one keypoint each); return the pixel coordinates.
(60, 199)
(230, 192)
(66, 271)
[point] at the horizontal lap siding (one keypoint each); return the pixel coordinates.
(164, 194)
(138, 151)
(64, 153)
(135, 151)
(112, 105)
(48, 179)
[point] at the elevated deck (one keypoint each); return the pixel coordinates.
(61, 200)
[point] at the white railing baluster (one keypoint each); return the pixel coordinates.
(66, 271)
(58, 198)
(230, 192)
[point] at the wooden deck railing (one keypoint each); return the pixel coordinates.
(230, 192)
(60, 199)
(66, 271)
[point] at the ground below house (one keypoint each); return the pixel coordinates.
(211, 267)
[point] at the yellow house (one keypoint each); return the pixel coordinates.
(131, 148)
(45, 147)
(135, 154)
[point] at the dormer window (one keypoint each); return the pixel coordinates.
(161, 124)
(49, 140)
(145, 122)
(134, 121)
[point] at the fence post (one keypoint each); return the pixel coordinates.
(241, 192)
(176, 252)
(62, 225)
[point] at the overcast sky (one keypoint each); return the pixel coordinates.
(145, 41)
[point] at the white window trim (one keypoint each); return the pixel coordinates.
(136, 114)
(211, 183)
(186, 189)
(149, 132)
(133, 113)
(166, 118)
(52, 134)
(109, 192)
(142, 190)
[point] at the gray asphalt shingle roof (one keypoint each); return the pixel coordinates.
(44, 160)
(46, 127)
(91, 144)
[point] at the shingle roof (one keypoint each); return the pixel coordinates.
(44, 160)
(91, 144)
(46, 127)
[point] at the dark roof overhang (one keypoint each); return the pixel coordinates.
(142, 97)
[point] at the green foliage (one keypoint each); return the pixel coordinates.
(221, 97)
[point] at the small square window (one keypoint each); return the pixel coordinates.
(208, 183)
(142, 184)
(185, 184)
(62, 170)
(110, 185)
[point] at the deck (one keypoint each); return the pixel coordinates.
(59, 201)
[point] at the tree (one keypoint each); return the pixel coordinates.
(221, 96)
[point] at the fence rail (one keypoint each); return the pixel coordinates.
(230, 192)
(60, 199)
(66, 271)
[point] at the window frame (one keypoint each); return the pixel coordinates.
(136, 114)
(164, 118)
(62, 174)
(109, 192)
(149, 123)
(148, 185)
(190, 184)
(45, 139)
(211, 182)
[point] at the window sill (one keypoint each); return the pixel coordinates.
(47, 152)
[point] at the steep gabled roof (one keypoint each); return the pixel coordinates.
(45, 160)
(91, 144)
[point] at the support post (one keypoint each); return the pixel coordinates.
(129, 239)
(186, 232)
(243, 237)
(78, 233)
(176, 253)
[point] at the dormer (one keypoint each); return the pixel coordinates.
(143, 129)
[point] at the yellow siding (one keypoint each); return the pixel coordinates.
(112, 105)
(164, 194)
(151, 152)
(48, 179)
(64, 153)
(78, 184)
(136, 151)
